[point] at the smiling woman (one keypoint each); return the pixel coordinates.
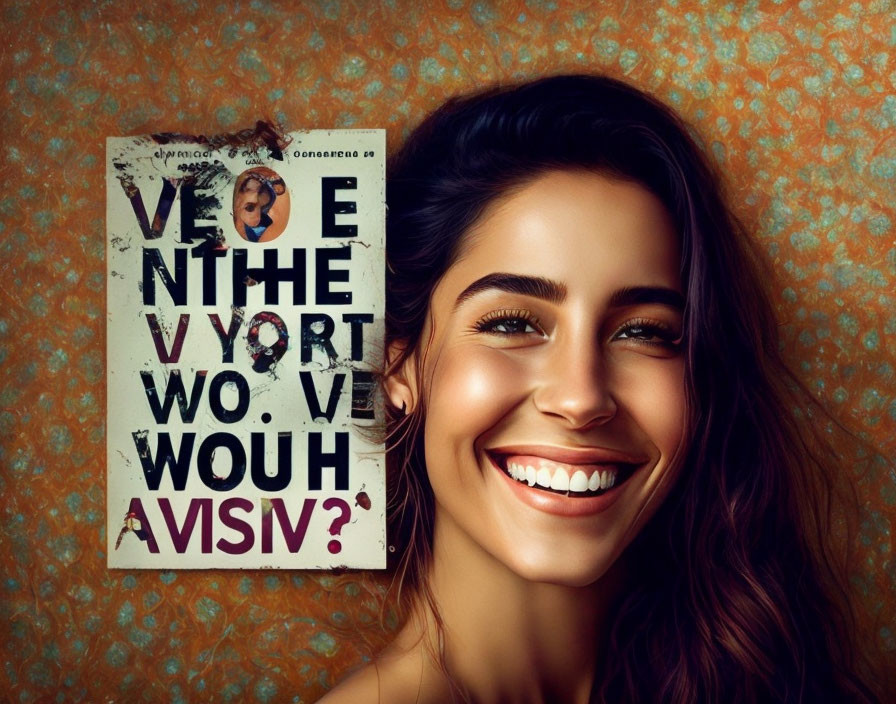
(552, 358)
(600, 494)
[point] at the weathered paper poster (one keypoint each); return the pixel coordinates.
(245, 318)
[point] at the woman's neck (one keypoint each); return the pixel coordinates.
(505, 638)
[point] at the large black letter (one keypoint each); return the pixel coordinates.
(363, 388)
(196, 207)
(214, 396)
(163, 209)
(330, 207)
(321, 340)
(317, 460)
(206, 456)
(324, 276)
(174, 388)
(355, 321)
(311, 396)
(177, 286)
(227, 338)
(154, 468)
(260, 477)
(271, 274)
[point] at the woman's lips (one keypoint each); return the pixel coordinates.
(565, 481)
(571, 455)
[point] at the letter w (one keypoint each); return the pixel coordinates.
(175, 387)
(153, 468)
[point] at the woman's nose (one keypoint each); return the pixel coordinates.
(575, 387)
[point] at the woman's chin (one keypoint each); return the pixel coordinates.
(560, 568)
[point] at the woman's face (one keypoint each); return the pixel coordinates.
(249, 201)
(554, 377)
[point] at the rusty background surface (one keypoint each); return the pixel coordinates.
(795, 101)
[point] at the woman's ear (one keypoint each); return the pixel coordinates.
(401, 377)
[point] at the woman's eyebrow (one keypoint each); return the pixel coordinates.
(536, 286)
(638, 295)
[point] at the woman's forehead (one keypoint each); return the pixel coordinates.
(606, 222)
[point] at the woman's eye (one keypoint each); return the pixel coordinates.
(503, 323)
(510, 326)
(649, 334)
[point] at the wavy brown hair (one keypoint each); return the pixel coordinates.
(737, 593)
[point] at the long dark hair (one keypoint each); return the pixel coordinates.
(735, 595)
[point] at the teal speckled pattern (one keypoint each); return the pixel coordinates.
(795, 101)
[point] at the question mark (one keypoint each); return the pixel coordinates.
(345, 515)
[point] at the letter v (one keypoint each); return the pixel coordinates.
(177, 345)
(312, 400)
(154, 230)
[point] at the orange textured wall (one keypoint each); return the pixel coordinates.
(796, 102)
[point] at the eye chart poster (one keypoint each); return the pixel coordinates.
(245, 292)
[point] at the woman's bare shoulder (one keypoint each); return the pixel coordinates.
(360, 688)
(394, 678)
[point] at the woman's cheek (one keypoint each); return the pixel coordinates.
(472, 388)
(654, 396)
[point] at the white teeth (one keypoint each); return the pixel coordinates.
(530, 475)
(560, 480)
(552, 476)
(594, 482)
(578, 481)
